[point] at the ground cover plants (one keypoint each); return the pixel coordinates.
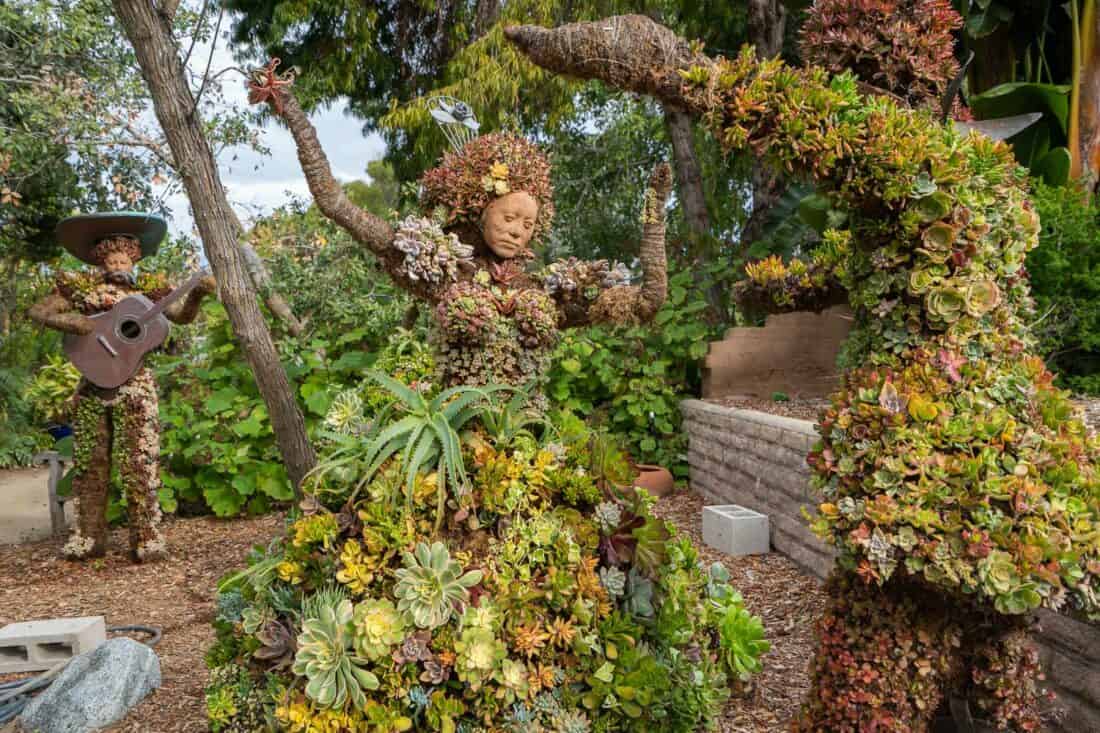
(549, 599)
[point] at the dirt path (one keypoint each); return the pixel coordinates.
(178, 596)
(24, 509)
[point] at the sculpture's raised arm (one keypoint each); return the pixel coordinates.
(629, 52)
(594, 291)
(366, 228)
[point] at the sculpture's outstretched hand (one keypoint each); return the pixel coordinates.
(269, 86)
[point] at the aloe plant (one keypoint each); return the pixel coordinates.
(508, 420)
(423, 433)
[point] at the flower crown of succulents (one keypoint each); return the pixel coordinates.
(484, 169)
(120, 243)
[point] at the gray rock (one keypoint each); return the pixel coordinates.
(95, 690)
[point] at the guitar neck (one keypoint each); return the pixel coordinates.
(172, 297)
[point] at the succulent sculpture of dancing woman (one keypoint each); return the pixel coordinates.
(486, 203)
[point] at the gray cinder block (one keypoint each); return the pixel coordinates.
(32, 646)
(735, 530)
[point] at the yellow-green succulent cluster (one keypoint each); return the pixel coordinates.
(523, 613)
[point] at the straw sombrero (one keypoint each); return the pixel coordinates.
(79, 234)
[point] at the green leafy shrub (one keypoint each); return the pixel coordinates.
(52, 388)
(20, 438)
(633, 379)
(1064, 272)
(217, 447)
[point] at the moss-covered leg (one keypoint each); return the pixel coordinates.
(1004, 665)
(91, 478)
(137, 427)
(884, 659)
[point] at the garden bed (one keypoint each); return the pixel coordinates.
(178, 596)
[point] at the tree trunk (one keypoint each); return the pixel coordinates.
(1087, 155)
(767, 25)
(689, 189)
(689, 175)
(150, 35)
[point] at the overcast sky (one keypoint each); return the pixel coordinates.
(257, 184)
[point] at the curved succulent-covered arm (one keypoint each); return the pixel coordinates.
(418, 256)
(57, 312)
(187, 309)
(366, 228)
(639, 304)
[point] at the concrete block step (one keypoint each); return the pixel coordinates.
(33, 646)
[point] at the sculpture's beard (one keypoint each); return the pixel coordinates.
(119, 277)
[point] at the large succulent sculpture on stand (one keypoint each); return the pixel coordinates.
(958, 486)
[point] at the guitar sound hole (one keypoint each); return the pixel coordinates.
(129, 330)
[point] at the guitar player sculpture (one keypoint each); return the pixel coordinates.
(110, 319)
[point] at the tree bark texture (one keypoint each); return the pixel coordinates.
(689, 189)
(1088, 152)
(689, 174)
(767, 25)
(150, 35)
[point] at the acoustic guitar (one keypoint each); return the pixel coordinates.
(113, 352)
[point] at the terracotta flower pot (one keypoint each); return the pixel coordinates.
(656, 480)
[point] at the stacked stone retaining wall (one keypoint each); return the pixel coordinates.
(758, 460)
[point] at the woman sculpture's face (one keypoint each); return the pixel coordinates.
(509, 222)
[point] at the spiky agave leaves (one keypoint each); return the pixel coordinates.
(428, 434)
(431, 584)
(326, 659)
(423, 433)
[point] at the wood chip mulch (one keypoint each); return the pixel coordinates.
(178, 596)
(788, 600)
(803, 409)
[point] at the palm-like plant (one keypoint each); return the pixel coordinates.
(422, 432)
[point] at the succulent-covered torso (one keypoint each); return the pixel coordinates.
(90, 293)
(495, 321)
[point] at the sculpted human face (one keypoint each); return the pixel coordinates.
(509, 222)
(118, 262)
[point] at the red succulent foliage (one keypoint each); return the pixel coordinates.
(904, 47)
(889, 657)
